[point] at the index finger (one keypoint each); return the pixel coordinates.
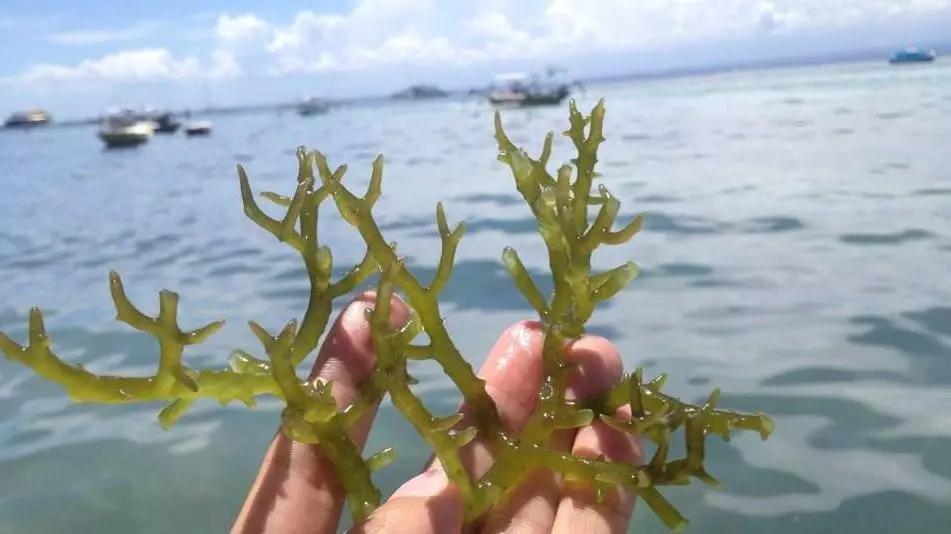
(296, 489)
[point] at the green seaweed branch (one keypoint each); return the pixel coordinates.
(562, 204)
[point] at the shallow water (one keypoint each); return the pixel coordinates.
(796, 255)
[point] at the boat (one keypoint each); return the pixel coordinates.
(912, 55)
(521, 89)
(166, 123)
(312, 106)
(198, 128)
(125, 130)
(27, 119)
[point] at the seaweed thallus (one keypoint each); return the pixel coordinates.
(574, 219)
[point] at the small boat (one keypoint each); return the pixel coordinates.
(521, 89)
(312, 106)
(198, 128)
(166, 123)
(125, 130)
(27, 119)
(912, 55)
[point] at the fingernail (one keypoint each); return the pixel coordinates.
(357, 314)
(354, 316)
(427, 484)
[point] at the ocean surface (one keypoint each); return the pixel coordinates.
(797, 254)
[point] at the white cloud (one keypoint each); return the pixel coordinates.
(651, 23)
(374, 33)
(98, 36)
(223, 65)
(246, 27)
(307, 26)
(145, 64)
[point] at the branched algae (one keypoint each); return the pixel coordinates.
(562, 204)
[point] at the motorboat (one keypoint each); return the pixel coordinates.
(125, 130)
(312, 106)
(521, 89)
(198, 128)
(912, 55)
(27, 119)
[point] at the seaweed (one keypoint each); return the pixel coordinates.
(563, 203)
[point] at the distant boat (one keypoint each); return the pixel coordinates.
(166, 123)
(198, 128)
(312, 106)
(420, 92)
(912, 55)
(522, 89)
(27, 119)
(125, 130)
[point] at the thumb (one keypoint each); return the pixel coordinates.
(424, 504)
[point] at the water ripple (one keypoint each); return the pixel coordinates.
(896, 238)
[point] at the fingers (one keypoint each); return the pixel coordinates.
(513, 376)
(296, 489)
(579, 510)
(426, 504)
(531, 508)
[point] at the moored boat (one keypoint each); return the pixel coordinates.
(198, 128)
(913, 55)
(520, 89)
(27, 119)
(124, 131)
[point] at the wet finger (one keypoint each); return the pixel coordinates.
(426, 504)
(296, 489)
(512, 373)
(579, 509)
(532, 506)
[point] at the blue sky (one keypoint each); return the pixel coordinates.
(77, 58)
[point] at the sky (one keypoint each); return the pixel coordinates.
(76, 59)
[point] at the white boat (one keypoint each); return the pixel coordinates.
(27, 119)
(198, 128)
(521, 89)
(125, 130)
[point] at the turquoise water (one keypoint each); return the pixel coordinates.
(796, 255)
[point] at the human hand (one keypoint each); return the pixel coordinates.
(297, 491)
